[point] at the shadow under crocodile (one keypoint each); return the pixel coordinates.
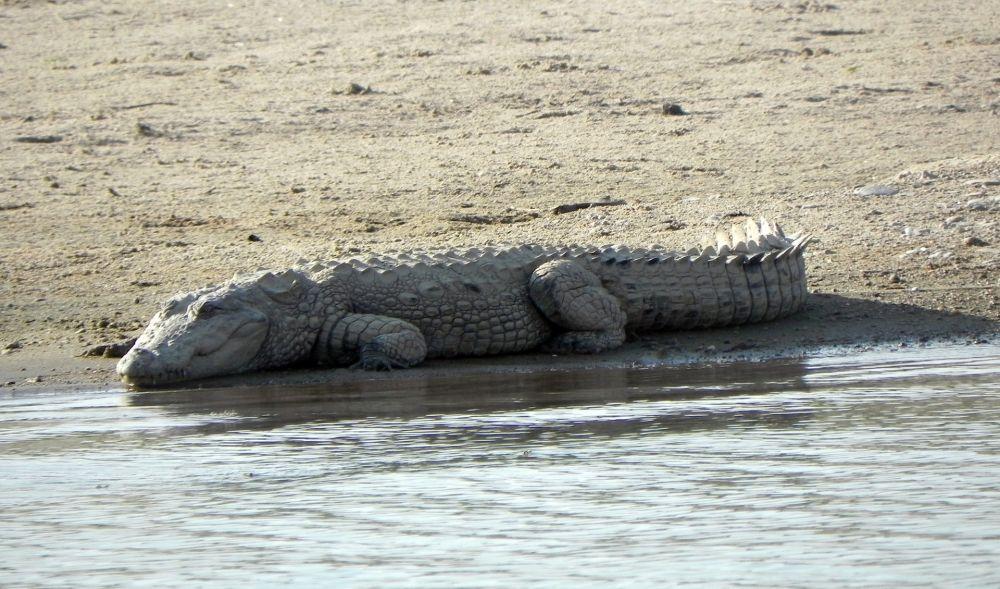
(830, 324)
(477, 396)
(677, 365)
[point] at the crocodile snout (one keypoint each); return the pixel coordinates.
(141, 366)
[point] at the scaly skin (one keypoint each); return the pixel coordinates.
(393, 312)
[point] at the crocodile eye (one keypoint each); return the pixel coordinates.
(170, 306)
(207, 309)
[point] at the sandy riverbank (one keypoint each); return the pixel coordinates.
(148, 148)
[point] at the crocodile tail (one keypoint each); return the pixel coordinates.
(753, 272)
(764, 270)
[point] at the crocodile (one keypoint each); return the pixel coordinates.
(393, 311)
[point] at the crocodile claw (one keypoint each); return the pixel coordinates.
(374, 359)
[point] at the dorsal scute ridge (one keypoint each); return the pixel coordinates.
(723, 239)
(341, 268)
(775, 241)
(776, 229)
(704, 257)
(800, 243)
(739, 235)
(739, 242)
(785, 252)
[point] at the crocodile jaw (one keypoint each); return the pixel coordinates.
(157, 358)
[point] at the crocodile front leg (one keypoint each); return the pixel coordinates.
(572, 297)
(372, 342)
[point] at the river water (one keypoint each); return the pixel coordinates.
(876, 470)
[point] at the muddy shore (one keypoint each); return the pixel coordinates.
(150, 148)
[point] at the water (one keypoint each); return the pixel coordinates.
(879, 470)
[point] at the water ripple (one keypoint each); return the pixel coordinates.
(873, 471)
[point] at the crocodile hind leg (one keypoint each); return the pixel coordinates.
(572, 297)
(372, 342)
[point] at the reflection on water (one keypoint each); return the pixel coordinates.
(878, 470)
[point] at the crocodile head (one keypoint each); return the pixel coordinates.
(248, 324)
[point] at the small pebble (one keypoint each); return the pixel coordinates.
(983, 204)
(113, 350)
(39, 139)
(983, 182)
(254, 237)
(922, 175)
(146, 130)
(876, 190)
(975, 242)
(355, 88)
(672, 109)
